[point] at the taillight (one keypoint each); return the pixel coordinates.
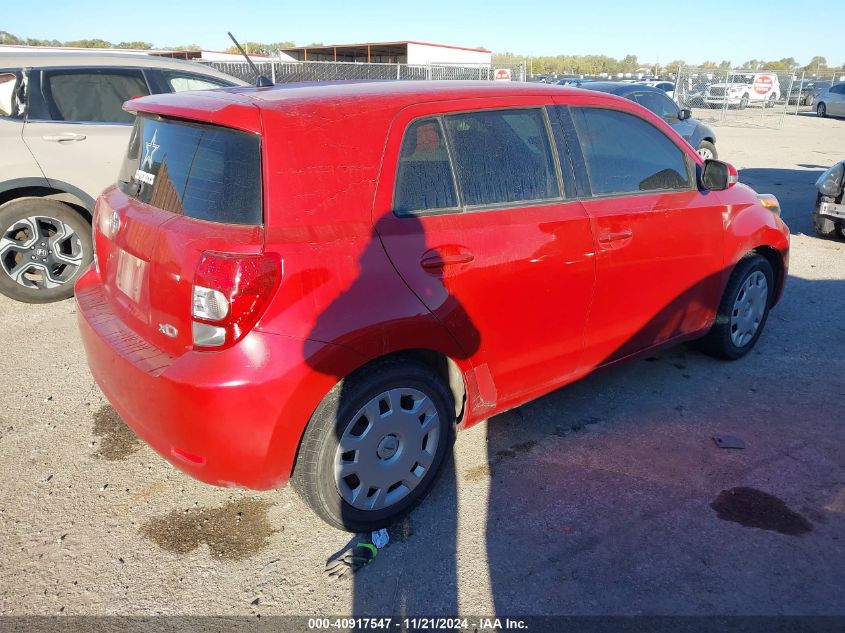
(230, 293)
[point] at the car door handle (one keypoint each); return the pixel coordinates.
(64, 137)
(447, 256)
(615, 236)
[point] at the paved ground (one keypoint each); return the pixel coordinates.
(604, 497)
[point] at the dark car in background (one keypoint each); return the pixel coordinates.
(805, 93)
(701, 137)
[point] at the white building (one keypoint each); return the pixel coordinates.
(390, 53)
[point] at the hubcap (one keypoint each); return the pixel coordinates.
(40, 252)
(387, 449)
(749, 308)
(705, 153)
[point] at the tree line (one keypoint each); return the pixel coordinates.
(603, 64)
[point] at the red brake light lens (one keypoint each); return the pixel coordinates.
(230, 293)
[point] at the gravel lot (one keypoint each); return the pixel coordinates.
(602, 498)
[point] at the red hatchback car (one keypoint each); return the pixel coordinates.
(321, 282)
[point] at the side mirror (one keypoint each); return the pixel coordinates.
(717, 175)
(684, 114)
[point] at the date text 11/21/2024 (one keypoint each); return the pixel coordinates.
(418, 623)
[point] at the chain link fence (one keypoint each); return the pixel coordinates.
(759, 98)
(286, 72)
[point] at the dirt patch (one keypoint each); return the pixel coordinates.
(117, 441)
(235, 531)
(754, 508)
(476, 473)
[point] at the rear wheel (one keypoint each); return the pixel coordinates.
(742, 311)
(821, 110)
(45, 245)
(375, 444)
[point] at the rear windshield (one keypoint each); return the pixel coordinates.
(201, 171)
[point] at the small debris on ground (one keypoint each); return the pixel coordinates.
(728, 441)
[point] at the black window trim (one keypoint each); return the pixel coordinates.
(37, 78)
(463, 208)
(692, 173)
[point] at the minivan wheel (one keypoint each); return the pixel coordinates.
(707, 150)
(821, 110)
(742, 311)
(45, 245)
(375, 444)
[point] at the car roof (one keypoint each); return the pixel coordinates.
(38, 59)
(231, 106)
(620, 88)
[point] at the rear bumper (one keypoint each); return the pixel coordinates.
(229, 418)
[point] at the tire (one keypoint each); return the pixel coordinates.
(340, 415)
(65, 247)
(771, 101)
(826, 228)
(743, 102)
(821, 110)
(707, 147)
(808, 100)
(725, 340)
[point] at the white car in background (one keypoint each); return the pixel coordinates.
(666, 86)
(63, 134)
(744, 89)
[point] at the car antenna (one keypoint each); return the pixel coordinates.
(260, 80)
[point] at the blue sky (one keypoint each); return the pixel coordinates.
(664, 31)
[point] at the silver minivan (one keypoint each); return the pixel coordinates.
(63, 133)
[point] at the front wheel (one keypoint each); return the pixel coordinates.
(743, 103)
(821, 110)
(375, 444)
(743, 310)
(45, 245)
(707, 150)
(827, 228)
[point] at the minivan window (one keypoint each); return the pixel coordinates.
(502, 156)
(625, 154)
(424, 177)
(91, 95)
(201, 171)
(179, 82)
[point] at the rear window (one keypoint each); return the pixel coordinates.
(201, 171)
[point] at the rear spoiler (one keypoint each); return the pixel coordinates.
(219, 107)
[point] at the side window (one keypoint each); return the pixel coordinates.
(840, 89)
(179, 82)
(10, 85)
(658, 103)
(502, 156)
(91, 95)
(424, 178)
(625, 154)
